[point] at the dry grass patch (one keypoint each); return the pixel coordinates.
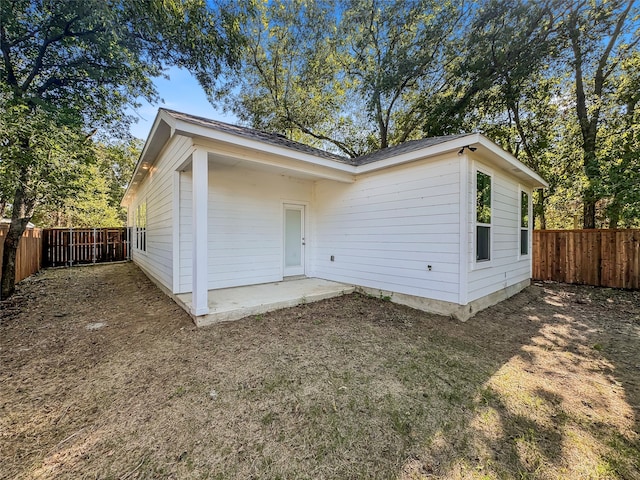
(544, 385)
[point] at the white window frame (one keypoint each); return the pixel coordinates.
(479, 264)
(141, 241)
(521, 190)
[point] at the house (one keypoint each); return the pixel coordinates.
(441, 224)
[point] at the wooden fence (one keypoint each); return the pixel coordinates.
(66, 247)
(606, 258)
(29, 255)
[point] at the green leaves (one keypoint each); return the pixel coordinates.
(96, 56)
(69, 68)
(600, 36)
(359, 75)
(353, 76)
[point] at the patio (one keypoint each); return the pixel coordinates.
(227, 304)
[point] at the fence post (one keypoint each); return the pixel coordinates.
(128, 242)
(70, 247)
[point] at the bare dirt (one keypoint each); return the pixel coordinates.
(103, 376)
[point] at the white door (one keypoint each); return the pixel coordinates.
(294, 241)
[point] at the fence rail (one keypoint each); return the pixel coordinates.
(606, 258)
(66, 246)
(29, 254)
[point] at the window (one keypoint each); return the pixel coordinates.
(483, 217)
(141, 227)
(524, 223)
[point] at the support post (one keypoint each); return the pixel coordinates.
(200, 179)
(465, 209)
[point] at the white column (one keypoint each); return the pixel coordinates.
(463, 279)
(199, 305)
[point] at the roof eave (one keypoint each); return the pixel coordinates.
(515, 166)
(166, 125)
(212, 134)
(162, 130)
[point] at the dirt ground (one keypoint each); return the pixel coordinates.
(102, 376)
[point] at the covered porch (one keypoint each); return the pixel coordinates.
(250, 233)
(226, 304)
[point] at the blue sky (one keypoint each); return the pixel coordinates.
(180, 92)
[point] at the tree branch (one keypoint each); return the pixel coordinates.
(581, 105)
(341, 145)
(42, 50)
(600, 75)
(6, 55)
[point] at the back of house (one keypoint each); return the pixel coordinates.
(441, 224)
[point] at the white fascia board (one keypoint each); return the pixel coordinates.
(288, 164)
(444, 147)
(189, 129)
(514, 163)
(455, 145)
(160, 117)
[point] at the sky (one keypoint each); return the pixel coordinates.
(180, 92)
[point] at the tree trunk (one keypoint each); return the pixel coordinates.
(614, 215)
(58, 223)
(589, 208)
(592, 172)
(20, 216)
(538, 210)
(11, 242)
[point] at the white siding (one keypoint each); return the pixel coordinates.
(506, 267)
(245, 225)
(385, 229)
(157, 190)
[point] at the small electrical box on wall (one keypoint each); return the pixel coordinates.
(333, 259)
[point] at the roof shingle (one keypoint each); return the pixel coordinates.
(406, 147)
(266, 137)
(282, 141)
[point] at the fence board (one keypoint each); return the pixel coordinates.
(605, 258)
(29, 255)
(66, 247)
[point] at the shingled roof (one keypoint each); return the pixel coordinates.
(406, 147)
(266, 137)
(282, 141)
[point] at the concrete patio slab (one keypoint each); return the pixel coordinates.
(227, 304)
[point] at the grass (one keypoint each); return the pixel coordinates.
(352, 387)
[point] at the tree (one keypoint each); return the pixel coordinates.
(359, 75)
(45, 163)
(510, 50)
(601, 36)
(289, 80)
(621, 145)
(355, 75)
(116, 161)
(399, 52)
(69, 68)
(99, 186)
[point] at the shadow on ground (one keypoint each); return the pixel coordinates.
(543, 385)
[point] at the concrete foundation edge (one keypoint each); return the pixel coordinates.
(429, 305)
(449, 309)
(237, 314)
